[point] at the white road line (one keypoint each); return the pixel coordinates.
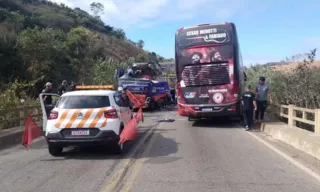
(287, 157)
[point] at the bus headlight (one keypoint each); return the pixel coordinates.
(236, 96)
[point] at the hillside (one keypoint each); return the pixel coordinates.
(47, 14)
(42, 41)
(291, 66)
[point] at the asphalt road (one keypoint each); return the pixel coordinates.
(79, 171)
(178, 156)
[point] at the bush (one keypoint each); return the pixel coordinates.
(300, 87)
(15, 95)
(104, 69)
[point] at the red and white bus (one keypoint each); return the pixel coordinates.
(209, 71)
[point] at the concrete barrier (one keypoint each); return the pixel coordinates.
(300, 139)
(12, 136)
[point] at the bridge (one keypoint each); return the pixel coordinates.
(208, 155)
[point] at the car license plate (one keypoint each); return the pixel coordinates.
(80, 132)
(206, 109)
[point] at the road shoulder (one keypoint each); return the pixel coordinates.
(304, 161)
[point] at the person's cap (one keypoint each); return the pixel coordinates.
(64, 81)
(262, 78)
(48, 84)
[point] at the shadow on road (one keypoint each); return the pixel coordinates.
(163, 147)
(168, 108)
(95, 152)
(217, 122)
(224, 123)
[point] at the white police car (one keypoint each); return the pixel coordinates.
(85, 117)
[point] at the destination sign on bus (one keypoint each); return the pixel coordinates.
(204, 34)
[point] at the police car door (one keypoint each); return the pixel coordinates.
(46, 108)
(123, 109)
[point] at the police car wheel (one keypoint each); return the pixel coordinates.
(55, 150)
(118, 149)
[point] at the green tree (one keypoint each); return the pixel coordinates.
(160, 59)
(97, 9)
(104, 69)
(140, 43)
(119, 33)
(141, 58)
(43, 51)
(82, 49)
(11, 64)
(153, 57)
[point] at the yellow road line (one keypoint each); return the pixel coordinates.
(130, 163)
(137, 167)
(111, 185)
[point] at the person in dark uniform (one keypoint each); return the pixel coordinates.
(249, 105)
(173, 95)
(47, 99)
(62, 88)
(72, 87)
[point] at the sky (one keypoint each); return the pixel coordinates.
(268, 30)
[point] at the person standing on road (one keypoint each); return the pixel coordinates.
(47, 100)
(249, 105)
(262, 92)
(72, 87)
(62, 88)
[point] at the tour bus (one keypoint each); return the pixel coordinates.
(209, 71)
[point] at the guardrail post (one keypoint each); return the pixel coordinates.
(23, 115)
(317, 121)
(37, 113)
(291, 114)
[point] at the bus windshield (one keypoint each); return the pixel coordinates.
(204, 55)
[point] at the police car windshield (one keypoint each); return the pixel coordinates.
(83, 102)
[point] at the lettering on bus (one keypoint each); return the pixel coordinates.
(218, 34)
(218, 90)
(201, 32)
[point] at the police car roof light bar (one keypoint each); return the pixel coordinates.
(94, 87)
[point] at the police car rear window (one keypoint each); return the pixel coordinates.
(83, 102)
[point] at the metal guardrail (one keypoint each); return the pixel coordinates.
(17, 116)
(291, 113)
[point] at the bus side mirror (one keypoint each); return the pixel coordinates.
(245, 76)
